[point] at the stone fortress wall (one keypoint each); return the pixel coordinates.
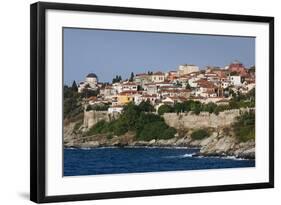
(203, 120)
(178, 121)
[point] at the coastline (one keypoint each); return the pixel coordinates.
(213, 146)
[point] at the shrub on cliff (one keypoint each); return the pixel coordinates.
(244, 127)
(146, 125)
(199, 134)
(130, 115)
(168, 133)
(156, 130)
(196, 108)
(99, 127)
(119, 127)
(71, 103)
(146, 118)
(210, 107)
(89, 107)
(100, 107)
(179, 107)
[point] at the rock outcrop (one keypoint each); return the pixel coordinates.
(219, 143)
(229, 146)
(215, 145)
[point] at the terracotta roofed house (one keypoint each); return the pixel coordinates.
(238, 67)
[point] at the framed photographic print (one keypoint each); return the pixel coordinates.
(129, 102)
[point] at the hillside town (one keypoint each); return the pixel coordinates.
(187, 82)
(212, 108)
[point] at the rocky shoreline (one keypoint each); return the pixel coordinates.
(216, 144)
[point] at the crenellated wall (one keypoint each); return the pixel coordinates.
(204, 119)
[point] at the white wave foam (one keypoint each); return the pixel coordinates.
(233, 158)
(226, 157)
(70, 148)
(199, 156)
(180, 156)
(85, 148)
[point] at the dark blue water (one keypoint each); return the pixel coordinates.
(132, 160)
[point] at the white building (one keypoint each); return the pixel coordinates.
(193, 82)
(117, 87)
(108, 92)
(142, 78)
(150, 98)
(151, 89)
(92, 80)
(158, 77)
(137, 99)
(115, 109)
(91, 83)
(235, 80)
(186, 69)
(129, 86)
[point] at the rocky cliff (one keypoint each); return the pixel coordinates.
(220, 142)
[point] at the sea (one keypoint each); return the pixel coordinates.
(112, 160)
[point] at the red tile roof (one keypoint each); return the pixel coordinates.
(141, 74)
(158, 73)
(129, 83)
(129, 92)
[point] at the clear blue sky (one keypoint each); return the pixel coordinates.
(109, 53)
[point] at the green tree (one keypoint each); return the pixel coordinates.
(210, 107)
(140, 88)
(187, 85)
(151, 131)
(130, 115)
(178, 84)
(146, 125)
(252, 69)
(132, 77)
(71, 103)
(165, 109)
(195, 107)
(114, 80)
(120, 127)
(97, 128)
(74, 86)
(145, 106)
(146, 118)
(88, 108)
(117, 79)
(100, 107)
(233, 104)
(187, 105)
(179, 107)
(244, 127)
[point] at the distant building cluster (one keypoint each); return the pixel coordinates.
(187, 82)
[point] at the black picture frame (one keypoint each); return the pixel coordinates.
(38, 101)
